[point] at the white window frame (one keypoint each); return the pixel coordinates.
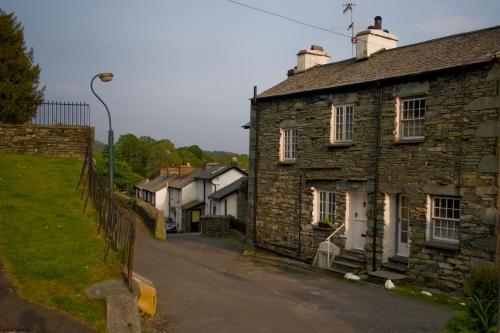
(324, 206)
(444, 216)
(342, 123)
(411, 118)
(289, 144)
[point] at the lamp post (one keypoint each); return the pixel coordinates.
(106, 77)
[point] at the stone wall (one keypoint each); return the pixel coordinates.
(215, 225)
(60, 141)
(153, 218)
(459, 157)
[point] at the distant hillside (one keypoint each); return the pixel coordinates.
(99, 145)
(143, 157)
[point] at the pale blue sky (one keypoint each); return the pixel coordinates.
(184, 70)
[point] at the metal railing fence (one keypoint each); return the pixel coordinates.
(45, 113)
(116, 220)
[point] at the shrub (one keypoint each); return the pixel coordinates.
(481, 308)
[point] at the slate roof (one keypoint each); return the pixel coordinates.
(140, 185)
(215, 171)
(432, 55)
(180, 182)
(192, 204)
(227, 190)
(154, 185)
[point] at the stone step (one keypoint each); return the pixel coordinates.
(395, 267)
(382, 275)
(399, 260)
(354, 253)
(350, 258)
(347, 267)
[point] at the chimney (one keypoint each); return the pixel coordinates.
(310, 58)
(374, 39)
(185, 170)
(169, 171)
(234, 160)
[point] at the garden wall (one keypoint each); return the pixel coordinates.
(60, 141)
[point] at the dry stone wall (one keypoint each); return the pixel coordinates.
(60, 141)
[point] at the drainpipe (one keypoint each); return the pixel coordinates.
(256, 162)
(376, 185)
(300, 208)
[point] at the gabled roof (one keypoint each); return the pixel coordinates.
(432, 55)
(192, 204)
(179, 182)
(227, 190)
(140, 185)
(215, 171)
(155, 184)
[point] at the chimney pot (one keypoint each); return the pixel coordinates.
(373, 40)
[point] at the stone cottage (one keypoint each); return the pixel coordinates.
(395, 152)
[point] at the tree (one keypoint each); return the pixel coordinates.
(133, 151)
(19, 77)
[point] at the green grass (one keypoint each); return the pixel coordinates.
(50, 247)
(436, 298)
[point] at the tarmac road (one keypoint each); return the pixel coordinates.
(206, 285)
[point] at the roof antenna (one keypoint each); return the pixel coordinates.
(349, 7)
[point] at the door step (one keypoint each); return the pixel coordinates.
(399, 260)
(396, 264)
(382, 275)
(350, 261)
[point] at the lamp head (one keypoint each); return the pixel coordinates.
(106, 77)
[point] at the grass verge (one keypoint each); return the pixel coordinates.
(50, 247)
(436, 298)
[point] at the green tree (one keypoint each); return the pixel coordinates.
(19, 76)
(162, 154)
(124, 177)
(133, 151)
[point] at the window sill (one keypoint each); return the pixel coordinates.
(408, 141)
(317, 227)
(340, 144)
(442, 245)
(288, 162)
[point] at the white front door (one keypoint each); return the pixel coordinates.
(356, 228)
(403, 231)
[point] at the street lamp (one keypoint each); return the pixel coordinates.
(106, 77)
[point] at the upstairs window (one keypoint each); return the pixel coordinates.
(412, 119)
(288, 149)
(445, 219)
(342, 123)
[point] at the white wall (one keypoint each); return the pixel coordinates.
(161, 202)
(176, 203)
(190, 192)
(389, 243)
(227, 178)
(232, 205)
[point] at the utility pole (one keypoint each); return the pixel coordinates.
(349, 7)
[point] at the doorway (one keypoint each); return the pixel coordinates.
(356, 220)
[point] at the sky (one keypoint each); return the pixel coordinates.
(184, 70)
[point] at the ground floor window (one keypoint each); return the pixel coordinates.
(326, 207)
(445, 219)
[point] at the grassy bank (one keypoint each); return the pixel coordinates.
(49, 245)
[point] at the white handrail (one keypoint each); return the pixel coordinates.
(329, 242)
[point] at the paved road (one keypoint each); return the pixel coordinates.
(206, 285)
